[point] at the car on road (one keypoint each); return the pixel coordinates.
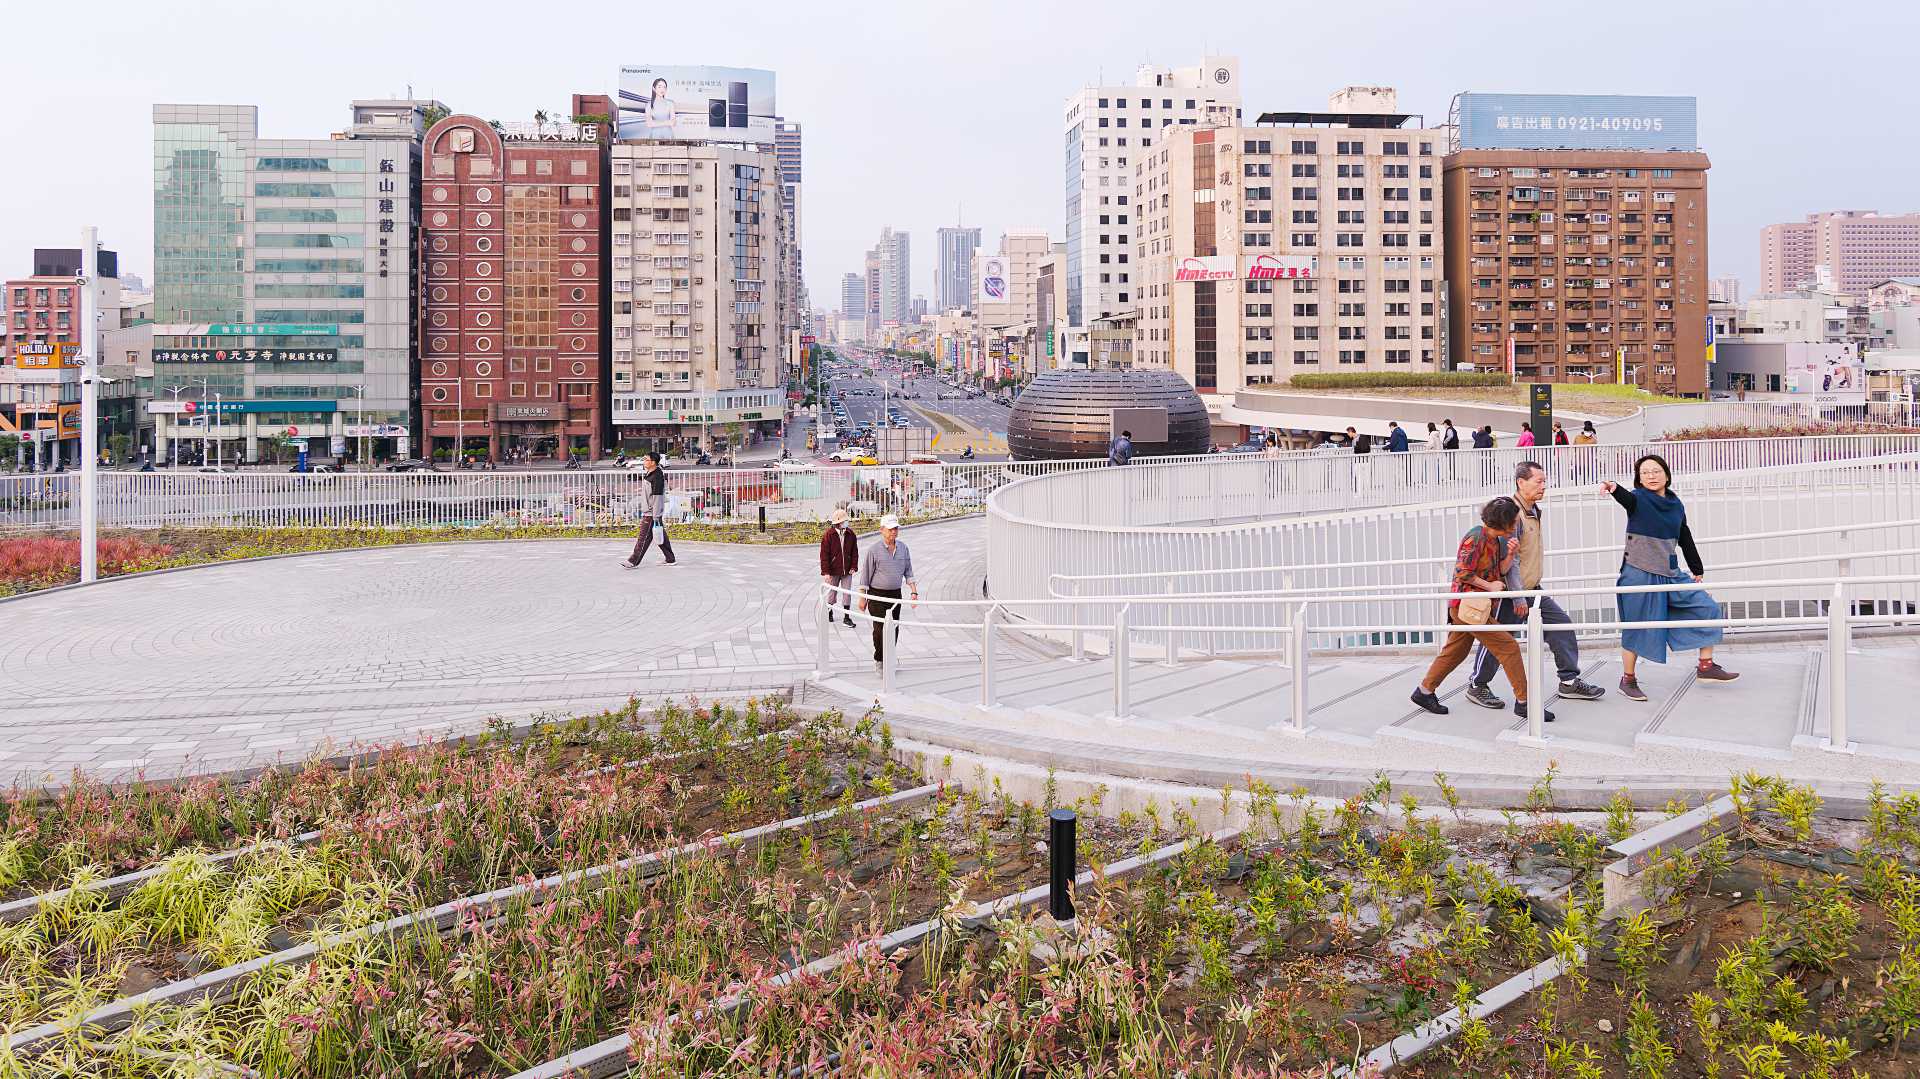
(321, 466)
(218, 470)
(791, 464)
(846, 455)
(411, 464)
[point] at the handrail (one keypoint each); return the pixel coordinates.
(1427, 560)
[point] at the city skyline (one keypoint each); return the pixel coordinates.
(1002, 162)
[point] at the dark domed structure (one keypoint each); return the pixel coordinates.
(1067, 413)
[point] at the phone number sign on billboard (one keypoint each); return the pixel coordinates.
(245, 355)
(1577, 122)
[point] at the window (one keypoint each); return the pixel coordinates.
(1299, 146)
(1306, 310)
(1306, 217)
(1394, 149)
(1304, 239)
(1352, 217)
(1351, 194)
(1306, 194)
(1354, 355)
(1305, 169)
(1353, 310)
(1259, 310)
(1306, 355)
(1306, 333)
(1350, 172)
(1351, 148)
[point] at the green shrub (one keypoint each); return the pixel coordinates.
(1355, 380)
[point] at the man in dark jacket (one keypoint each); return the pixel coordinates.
(1396, 438)
(1483, 438)
(1121, 451)
(1449, 438)
(654, 513)
(839, 560)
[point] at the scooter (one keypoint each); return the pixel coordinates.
(967, 454)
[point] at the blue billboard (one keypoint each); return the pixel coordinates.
(1577, 122)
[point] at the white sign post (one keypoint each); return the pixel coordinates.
(89, 405)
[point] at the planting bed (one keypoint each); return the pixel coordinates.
(1310, 939)
(460, 825)
(1783, 948)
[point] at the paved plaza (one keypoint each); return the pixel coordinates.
(227, 666)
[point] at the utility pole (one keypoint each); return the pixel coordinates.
(89, 405)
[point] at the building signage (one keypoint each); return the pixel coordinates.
(245, 355)
(529, 412)
(550, 131)
(196, 407)
(384, 210)
(993, 279)
(44, 355)
(374, 430)
(1577, 122)
(1276, 267)
(1205, 268)
(711, 104)
(273, 329)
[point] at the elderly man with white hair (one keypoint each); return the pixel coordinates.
(884, 571)
(839, 561)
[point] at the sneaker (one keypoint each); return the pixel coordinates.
(1485, 697)
(1630, 689)
(846, 620)
(1713, 672)
(672, 562)
(1520, 709)
(1581, 690)
(1430, 701)
(626, 564)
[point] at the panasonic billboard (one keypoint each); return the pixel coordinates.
(1577, 122)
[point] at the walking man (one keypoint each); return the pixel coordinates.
(1449, 438)
(887, 569)
(655, 513)
(1396, 437)
(1523, 573)
(1121, 450)
(839, 561)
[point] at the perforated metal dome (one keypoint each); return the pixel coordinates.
(1070, 414)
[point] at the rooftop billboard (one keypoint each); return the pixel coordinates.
(717, 104)
(1577, 122)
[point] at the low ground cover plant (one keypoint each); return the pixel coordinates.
(1784, 430)
(482, 821)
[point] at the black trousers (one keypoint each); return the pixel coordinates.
(884, 611)
(645, 539)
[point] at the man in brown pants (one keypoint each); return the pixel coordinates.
(1477, 568)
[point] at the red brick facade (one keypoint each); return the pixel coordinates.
(510, 304)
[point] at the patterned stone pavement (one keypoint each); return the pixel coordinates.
(228, 666)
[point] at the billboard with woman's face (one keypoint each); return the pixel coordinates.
(717, 104)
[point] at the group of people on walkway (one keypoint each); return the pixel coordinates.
(1445, 436)
(1506, 552)
(876, 584)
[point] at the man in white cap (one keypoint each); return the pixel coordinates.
(885, 569)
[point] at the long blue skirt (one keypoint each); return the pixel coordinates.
(1652, 644)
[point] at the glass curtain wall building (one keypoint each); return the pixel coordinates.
(284, 284)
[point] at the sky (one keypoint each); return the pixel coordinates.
(931, 113)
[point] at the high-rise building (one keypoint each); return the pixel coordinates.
(1577, 239)
(1723, 290)
(894, 259)
(284, 279)
(1858, 249)
(787, 151)
(512, 244)
(953, 267)
(853, 296)
(703, 304)
(1111, 130)
(1306, 242)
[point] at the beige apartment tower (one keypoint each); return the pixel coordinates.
(1307, 242)
(702, 300)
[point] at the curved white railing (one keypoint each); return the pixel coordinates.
(1857, 511)
(1837, 617)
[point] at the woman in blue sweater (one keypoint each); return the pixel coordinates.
(1657, 537)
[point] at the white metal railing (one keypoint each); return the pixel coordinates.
(1837, 619)
(1853, 514)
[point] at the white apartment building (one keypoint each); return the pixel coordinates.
(894, 264)
(1320, 236)
(702, 300)
(1109, 130)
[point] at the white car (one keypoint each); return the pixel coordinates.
(846, 454)
(791, 464)
(218, 470)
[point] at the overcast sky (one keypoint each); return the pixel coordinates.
(921, 114)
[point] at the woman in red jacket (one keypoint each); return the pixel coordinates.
(839, 561)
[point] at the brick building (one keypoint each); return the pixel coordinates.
(512, 323)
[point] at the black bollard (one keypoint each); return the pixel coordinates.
(763, 518)
(1064, 864)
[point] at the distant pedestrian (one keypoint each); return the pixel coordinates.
(1396, 438)
(1449, 436)
(1477, 568)
(1271, 449)
(886, 569)
(653, 514)
(839, 561)
(1120, 451)
(1657, 538)
(1433, 435)
(1559, 434)
(1362, 444)
(1483, 437)
(1526, 564)
(1526, 435)
(1587, 435)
